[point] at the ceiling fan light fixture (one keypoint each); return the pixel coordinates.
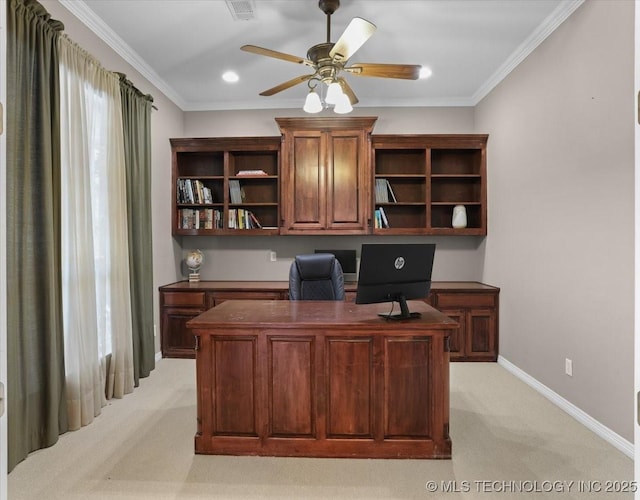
(333, 93)
(328, 59)
(343, 106)
(312, 103)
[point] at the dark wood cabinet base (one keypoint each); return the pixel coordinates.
(322, 379)
(475, 306)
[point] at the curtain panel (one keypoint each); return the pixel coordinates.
(74, 202)
(136, 120)
(95, 249)
(36, 411)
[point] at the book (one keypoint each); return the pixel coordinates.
(382, 195)
(234, 191)
(207, 194)
(390, 189)
(251, 172)
(383, 216)
(254, 220)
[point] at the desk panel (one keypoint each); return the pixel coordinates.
(322, 379)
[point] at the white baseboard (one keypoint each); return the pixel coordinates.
(604, 432)
(158, 356)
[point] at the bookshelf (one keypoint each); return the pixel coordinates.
(397, 184)
(429, 175)
(204, 172)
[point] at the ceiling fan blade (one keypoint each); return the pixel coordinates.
(348, 90)
(404, 71)
(357, 32)
(278, 55)
(286, 85)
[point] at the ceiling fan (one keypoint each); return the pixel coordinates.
(329, 60)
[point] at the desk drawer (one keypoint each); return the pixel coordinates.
(194, 299)
(466, 300)
(220, 297)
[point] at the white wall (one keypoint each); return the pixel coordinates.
(561, 201)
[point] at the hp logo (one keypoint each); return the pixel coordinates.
(399, 263)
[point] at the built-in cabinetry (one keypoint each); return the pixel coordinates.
(182, 301)
(473, 305)
(337, 381)
(320, 177)
(325, 175)
(426, 177)
(225, 186)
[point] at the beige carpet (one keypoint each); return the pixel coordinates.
(506, 438)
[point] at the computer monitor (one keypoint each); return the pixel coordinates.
(395, 272)
(347, 259)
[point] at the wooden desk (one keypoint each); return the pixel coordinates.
(322, 379)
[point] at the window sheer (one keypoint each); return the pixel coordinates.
(95, 261)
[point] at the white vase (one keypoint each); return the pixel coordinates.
(459, 219)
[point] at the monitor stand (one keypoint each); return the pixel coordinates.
(404, 310)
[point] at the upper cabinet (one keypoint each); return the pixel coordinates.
(326, 175)
(225, 185)
(419, 180)
(330, 176)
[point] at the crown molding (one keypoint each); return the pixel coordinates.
(548, 26)
(80, 9)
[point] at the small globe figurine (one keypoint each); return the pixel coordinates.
(194, 261)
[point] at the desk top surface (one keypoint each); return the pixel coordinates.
(466, 286)
(314, 314)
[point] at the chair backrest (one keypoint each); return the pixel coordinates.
(316, 277)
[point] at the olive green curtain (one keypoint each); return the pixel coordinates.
(36, 409)
(136, 118)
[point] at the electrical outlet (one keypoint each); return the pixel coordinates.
(272, 256)
(568, 367)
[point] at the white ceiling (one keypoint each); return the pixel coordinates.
(184, 46)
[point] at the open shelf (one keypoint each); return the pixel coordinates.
(214, 164)
(430, 175)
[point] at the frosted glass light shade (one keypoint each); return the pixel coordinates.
(343, 105)
(333, 93)
(312, 103)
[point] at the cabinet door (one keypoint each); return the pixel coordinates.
(178, 341)
(347, 181)
(325, 182)
(480, 336)
(304, 182)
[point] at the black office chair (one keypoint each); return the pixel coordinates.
(316, 276)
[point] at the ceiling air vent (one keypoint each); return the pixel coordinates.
(241, 10)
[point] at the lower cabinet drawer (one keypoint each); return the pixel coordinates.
(195, 299)
(217, 298)
(465, 300)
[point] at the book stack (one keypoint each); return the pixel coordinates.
(193, 191)
(235, 191)
(249, 173)
(380, 218)
(384, 191)
(241, 218)
(193, 218)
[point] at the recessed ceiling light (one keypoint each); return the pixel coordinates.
(230, 76)
(425, 72)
